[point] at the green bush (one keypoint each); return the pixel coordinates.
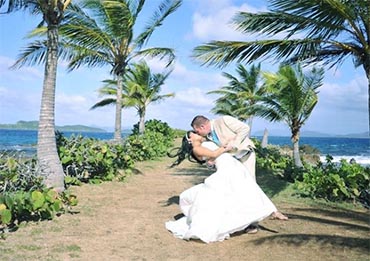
(33, 205)
(23, 196)
(271, 159)
(18, 173)
(335, 182)
(154, 143)
(91, 160)
(157, 126)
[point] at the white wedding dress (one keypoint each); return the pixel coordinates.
(228, 201)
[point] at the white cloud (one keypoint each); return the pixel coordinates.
(195, 97)
(22, 74)
(214, 22)
(345, 96)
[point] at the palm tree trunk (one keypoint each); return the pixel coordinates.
(368, 91)
(250, 122)
(142, 123)
(118, 122)
(46, 143)
(296, 156)
(366, 66)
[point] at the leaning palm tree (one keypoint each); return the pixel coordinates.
(144, 89)
(107, 38)
(293, 99)
(241, 94)
(325, 31)
(101, 32)
(47, 155)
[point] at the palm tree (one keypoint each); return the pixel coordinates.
(293, 99)
(325, 31)
(110, 89)
(141, 88)
(104, 35)
(239, 97)
(109, 39)
(144, 88)
(47, 155)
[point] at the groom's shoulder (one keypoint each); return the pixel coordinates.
(228, 119)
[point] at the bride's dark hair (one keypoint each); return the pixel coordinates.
(185, 151)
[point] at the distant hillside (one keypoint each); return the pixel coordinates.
(33, 125)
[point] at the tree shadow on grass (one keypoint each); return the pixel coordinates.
(270, 183)
(355, 216)
(198, 173)
(362, 244)
(346, 225)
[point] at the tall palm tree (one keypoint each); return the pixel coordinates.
(141, 88)
(241, 94)
(53, 13)
(293, 99)
(144, 88)
(107, 38)
(325, 31)
(101, 32)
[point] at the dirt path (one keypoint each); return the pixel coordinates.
(125, 221)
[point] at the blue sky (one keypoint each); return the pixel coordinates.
(342, 106)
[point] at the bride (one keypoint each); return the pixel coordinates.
(228, 201)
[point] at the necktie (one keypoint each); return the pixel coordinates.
(215, 138)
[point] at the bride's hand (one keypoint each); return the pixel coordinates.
(228, 147)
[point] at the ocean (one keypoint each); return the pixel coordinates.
(340, 148)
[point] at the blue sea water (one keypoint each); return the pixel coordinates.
(339, 148)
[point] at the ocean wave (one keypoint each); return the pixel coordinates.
(362, 160)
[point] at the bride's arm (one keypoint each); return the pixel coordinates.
(200, 151)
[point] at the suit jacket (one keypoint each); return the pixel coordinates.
(228, 129)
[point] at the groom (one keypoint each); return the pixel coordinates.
(229, 130)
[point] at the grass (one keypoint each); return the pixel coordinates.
(124, 221)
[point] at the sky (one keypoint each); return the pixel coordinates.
(342, 106)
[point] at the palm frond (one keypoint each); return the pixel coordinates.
(165, 9)
(158, 52)
(102, 103)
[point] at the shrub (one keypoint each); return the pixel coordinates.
(91, 160)
(23, 196)
(335, 182)
(154, 143)
(157, 126)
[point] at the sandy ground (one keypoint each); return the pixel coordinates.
(125, 221)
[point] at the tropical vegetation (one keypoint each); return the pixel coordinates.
(141, 88)
(308, 31)
(24, 196)
(239, 97)
(107, 40)
(52, 15)
(292, 98)
(104, 35)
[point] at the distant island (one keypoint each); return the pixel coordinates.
(33, 125)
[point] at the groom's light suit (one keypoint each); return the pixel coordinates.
(229, 129)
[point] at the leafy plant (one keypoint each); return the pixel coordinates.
(24, 197)
(335, 182)
(154, 143)
(91, 160)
